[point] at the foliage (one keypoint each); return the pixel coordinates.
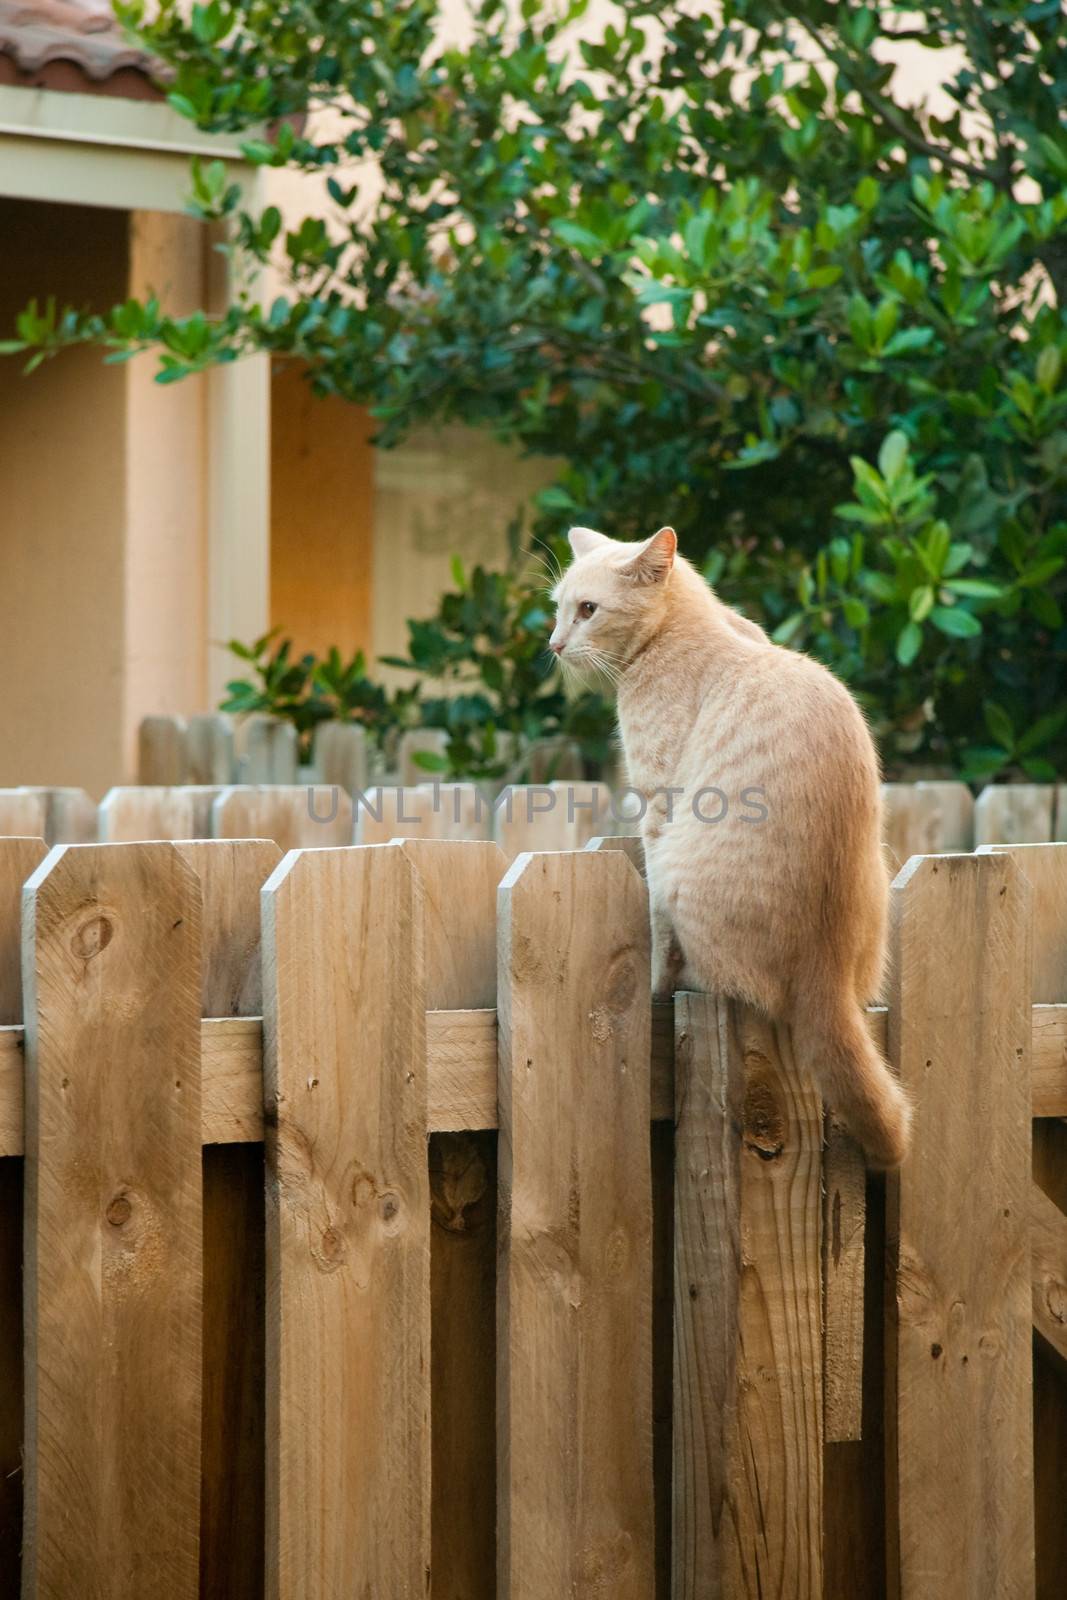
(487, 644)
(307, 691)
(485, 647)
(716, 262)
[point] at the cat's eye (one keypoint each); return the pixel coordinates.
(586, 609)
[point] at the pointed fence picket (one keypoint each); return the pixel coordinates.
(276, 1344)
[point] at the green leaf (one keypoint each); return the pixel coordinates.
(976, 588)
(909, 642)
(956, 622)
(893, 456)
(999, 724)
(921, 603)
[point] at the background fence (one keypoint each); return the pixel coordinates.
(619, 1329)
(560, 814)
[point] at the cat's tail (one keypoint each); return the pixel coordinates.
(832, 1042)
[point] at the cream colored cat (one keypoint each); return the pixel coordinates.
(765, 868)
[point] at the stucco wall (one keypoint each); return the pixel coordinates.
(62, 511)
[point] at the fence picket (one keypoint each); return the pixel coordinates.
(209, 749)
(18, 860)
(69, 815)
(134, 814)
(957, 812)
(161, 751)
(111, 968)
(748, 1318)
(270, 752)
(22, 814)
(844, 1226)
(340, 755)
(296, 816)
(422, 811)
(459, 882)
(960, 1491)
(231, 874)
(1014, 813)
(574, 1318)
(551, 816)
(348, 1227)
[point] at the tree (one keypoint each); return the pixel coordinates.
(719, 265)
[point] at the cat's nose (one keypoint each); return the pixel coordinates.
(556, 646)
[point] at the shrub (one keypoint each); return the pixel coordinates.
(717, 263)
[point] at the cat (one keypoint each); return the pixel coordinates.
(781, 898)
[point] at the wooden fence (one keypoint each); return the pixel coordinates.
(920, 818)
(364, 1231)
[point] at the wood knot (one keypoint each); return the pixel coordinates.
(94, 935)
(764, 1124)
(119, 1211)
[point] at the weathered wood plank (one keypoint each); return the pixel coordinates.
(748, 1453)
(132, 814)
(22, 814)
(913, 820)
(1048, 1239)
(957, 813)
(960, 1489)
(18, 860)
(844, 1224)
(551, 816)
(296, 816)
(1044, 867)
(1014, 813)
(231, 874)
(340, 755)
(268, 752)
(209, 749)
(161, 751)
(459, 888)
(111, 970)
(575, 1505)
(69, 815)
(348, 1227)
(422, 811)
(461, 1059)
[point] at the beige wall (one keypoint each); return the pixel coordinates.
(322, 511)
(103, 512)
(62, 514)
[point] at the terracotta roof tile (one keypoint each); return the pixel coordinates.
(71, 44)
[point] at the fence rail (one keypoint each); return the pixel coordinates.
(270, 1345)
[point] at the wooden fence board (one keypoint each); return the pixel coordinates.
(415, 742)
(69, 815)
(18, 860)
(422, 811)
(340, 755)
(1044, 867)
(22, 814)
(231, 874)
(551, 816)
(575, 1508)
(161, 751)
(209, 749)
(111, 970)
(459, 884)
(960, 1446)
(844, 1225)
(1014, 813)
(957, 813)
(132, 814)
(748, 1456)
(913, 820)
(348, 1227)
(268, 753)
(296, 816)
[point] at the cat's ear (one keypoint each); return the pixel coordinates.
(654, 559)
(582, 540)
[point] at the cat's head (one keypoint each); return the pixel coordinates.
(612, 597)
